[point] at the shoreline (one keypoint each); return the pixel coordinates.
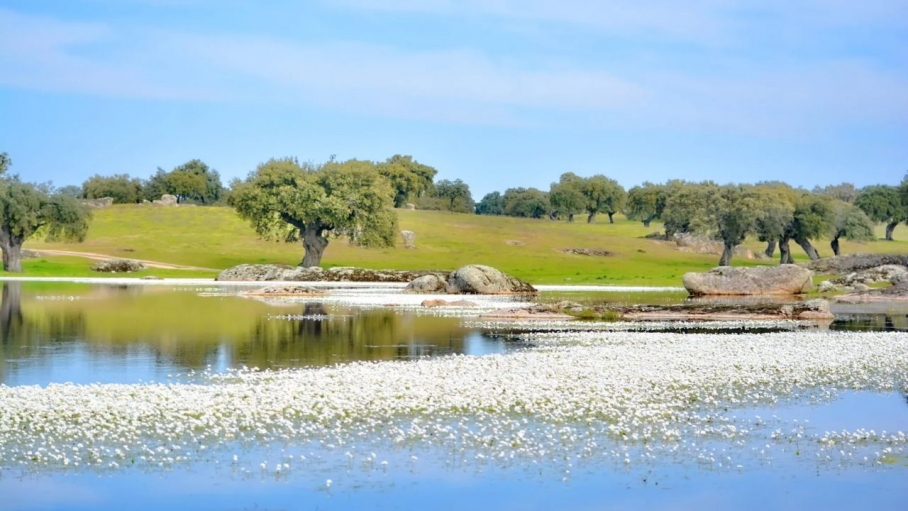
(254, 283)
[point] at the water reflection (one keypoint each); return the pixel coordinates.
(87, 334)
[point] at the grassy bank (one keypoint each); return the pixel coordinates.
(532, 249)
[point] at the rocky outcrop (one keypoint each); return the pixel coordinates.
(427, 284)
(897, 292)
(118, 266)
(485, 280)
(104, 202)
(810, 310)
(286, 291)
(595, 252)
(271, 272)
(877, 274)
(786, 279)
(446, 303)
(852, 263)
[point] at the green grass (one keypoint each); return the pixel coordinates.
(80, 267)
(214, 237)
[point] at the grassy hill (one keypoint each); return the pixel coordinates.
(215, 238)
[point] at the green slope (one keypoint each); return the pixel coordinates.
(214, 237)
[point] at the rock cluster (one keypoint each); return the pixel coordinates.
(271, 272)
(118, 266)
(852, 263)
(472, 279)
(286, 291)
(588, 252)
(786, 279)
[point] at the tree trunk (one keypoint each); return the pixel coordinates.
(770, 248)
(726, 254)
(570, 217)
(591, 217)
(889, 228)
(12, 253)
(10, 310)
(611, 220)
(835, 245)
(314, 244)
(785, 252)
(808, 248)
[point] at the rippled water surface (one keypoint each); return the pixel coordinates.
(787, 433)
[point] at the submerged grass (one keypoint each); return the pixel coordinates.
(214, 237)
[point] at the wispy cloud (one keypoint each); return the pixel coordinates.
(464, 85)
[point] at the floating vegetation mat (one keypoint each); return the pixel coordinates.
(625, 398)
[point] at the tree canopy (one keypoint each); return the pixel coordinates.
(27, 210)
(645, 202)
(454, 193)
(525, 202)
(883, 204)
(603, 195)
(845, 192)
(192, 181)
(290, 202)
(119, 187)
(849, 222)
(409, 178)
(566, 196)
(491, 204)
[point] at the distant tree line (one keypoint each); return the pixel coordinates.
(292, 201)
(773, 212)
(193, 182)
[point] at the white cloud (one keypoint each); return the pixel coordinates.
(450, 85)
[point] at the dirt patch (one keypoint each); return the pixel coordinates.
(514, 243)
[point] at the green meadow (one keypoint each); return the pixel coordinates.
(215, 238)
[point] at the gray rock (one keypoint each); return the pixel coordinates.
(786, 279)
(883, 273)
(409, 239)
(166, 200)
(827, 287)
(118, 266)
(851, 263)
(861, 288)
(485, 280)
(271, 272)
(427, 284)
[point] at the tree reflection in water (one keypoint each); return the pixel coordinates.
(167, 327)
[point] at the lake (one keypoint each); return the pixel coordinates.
(197, 397)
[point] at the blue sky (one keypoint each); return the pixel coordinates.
(499, 93)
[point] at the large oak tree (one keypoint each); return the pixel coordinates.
(290, 202)
(28, 210)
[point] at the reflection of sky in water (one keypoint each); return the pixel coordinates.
(434, 486)
(849, 411)
(439, 479)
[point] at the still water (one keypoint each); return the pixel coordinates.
(89, 334)
(126, 334)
